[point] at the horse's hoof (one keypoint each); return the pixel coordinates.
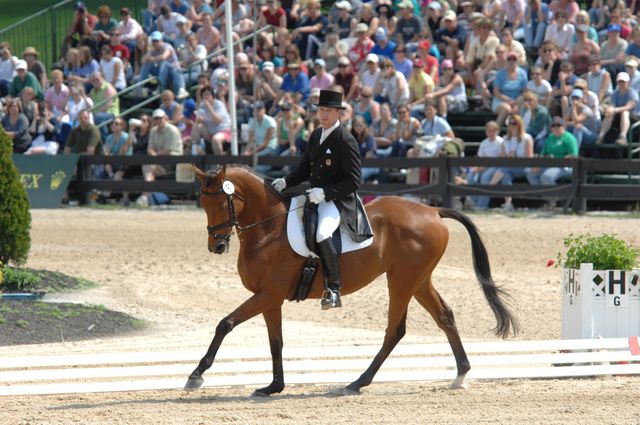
(193, 384)
(459, 383)
(259, 394)
(346, 391)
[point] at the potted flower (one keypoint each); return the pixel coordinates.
(600, 287)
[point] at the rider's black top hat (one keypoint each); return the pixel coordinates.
(331, 99)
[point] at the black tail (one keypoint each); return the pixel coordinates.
(506, 322)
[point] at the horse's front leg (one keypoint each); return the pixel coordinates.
(273, 319)
(255, 305)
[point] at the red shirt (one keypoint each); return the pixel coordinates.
(120, 51)
(359, 51)
(273, 19)
(91, 21)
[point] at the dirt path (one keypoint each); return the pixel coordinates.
(154, 265)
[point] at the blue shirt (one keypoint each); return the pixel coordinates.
(437, 126)
(511, 88)
(405, 67)
(386, 51)
(260, 128)
(299, 85)
(633, 50)
(618, 99)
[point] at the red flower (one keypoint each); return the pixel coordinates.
(551, 263)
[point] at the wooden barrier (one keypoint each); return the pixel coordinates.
(155, 370)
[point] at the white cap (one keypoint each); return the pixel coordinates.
(372, 57)
(344, 4)
(21, 64)
(268, 65)
(622, 76)
(631, 61)
(362, 27)
(435, 4)
(158, 113)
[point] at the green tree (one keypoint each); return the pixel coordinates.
(15, 218)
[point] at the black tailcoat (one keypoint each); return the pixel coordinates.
(335, 167)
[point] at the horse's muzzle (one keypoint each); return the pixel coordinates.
(220, 247)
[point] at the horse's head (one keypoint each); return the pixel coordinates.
(218, 201)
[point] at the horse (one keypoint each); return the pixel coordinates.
(409, 240)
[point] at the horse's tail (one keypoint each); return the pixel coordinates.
(506, 321)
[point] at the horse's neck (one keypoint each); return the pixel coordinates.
(260, 203)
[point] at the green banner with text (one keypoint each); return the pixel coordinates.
(45, 177)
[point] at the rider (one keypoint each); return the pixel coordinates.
(331, 163)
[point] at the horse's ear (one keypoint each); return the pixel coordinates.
(224, 172)
(201, 175)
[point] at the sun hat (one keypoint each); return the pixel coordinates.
(30, 51)
(158, 113)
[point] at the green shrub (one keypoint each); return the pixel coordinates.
(19, 280)
(15, 218)
(606, 252)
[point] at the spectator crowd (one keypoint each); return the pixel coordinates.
(555, 77)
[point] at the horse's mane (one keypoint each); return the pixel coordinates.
(213, 174)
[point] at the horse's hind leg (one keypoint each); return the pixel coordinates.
(273, 319)
(396, 328)
(431, 300)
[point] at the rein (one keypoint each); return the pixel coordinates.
(233, 218)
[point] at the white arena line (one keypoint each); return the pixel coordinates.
(318, 365)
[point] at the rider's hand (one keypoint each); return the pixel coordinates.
(279, 184)
(316, 194)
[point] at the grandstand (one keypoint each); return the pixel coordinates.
(472, 59)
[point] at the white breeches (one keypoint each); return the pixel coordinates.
(328, 220)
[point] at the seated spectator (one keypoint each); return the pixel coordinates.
(197, 11)
(161, 61)
(16, 126)
(245, 81)
(549, 59)
(361, 47)
(487, 76)
(167, 24)
(273, 15)
(192, 57)
(633, 48)
(332, 49)
(481, 51)
(409, 26)
(366, 144)
(451, 93)
(268, 84)
(347, 78)
(294, 81)
(366, 15)
(539, 86)
(29, 104)
(85, 137)
(599, 79)
(208, 35)
(7, 67)
(112, 69)
(263, 140)
(420, 86)
(407, 130)
(391, 87)
(536, 119)
(384, 131)
(290, 131)
(179, 6)
(401, 62)
(171, 108)
(25, 78)
(514, 46)
(37, 68)
(142, 48)
(80, 65)
(80, 29)
(582, 18)
(560, 33)
(57, 94)
(580, 120)
(385, 16)
(490, 147)
(182, 26)
(618, 116)
(516, 144)
(370, 73)
(612, 51)
(451, 37)
(582, 50)
(76, 102)
(559, 144)
(43, 134)
(383, 46)
(434, 125)
(508, 86)
(117, 143)
(164, 139)
(589, 99)
(121, 51)
(322, 80)
(102, 29)
(562, 88)
(129, 30)
(615, 18)
(434, 18)
(535, 23)
(425, 52)
(343, 22)
(103, 95)
(213, 123)
(511, 13)
(366, 107)
(139, 130)
(310, 31)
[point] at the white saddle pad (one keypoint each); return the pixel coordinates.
(295, 232)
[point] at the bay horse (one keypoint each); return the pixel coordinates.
(409, 240)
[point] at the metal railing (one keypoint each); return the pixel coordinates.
(46, 30)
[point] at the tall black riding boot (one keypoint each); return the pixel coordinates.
(331, 274)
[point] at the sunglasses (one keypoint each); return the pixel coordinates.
(447, 69)
(547, 51)
(365, 95)
(513, 123)
(528, 99)
(512, 59)
(556, 124)
(344, 66)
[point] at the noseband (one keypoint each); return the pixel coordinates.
(231, 209)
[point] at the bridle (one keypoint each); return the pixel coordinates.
(232, 221)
